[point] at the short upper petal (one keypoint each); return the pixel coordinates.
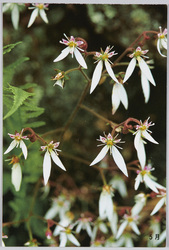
(146, 70)
(57, 161)
(130, 69)
(101, 155)
(63, 54)
(119, 160)
(46, 167)
(80, 58)
(96, 76)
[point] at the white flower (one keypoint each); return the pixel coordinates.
(14, 8)
(73, 48)
(142, 133)
(119, 95)
(60, 205)
(64, 222)
(59, 80)
(106, 203)
(129, 220)
(51, 151)
(145, 176)
(114, 221)
(17, 141)
(99, 225)
(161, 202)
(103, 56)
(16, 176)
(111, 145)
(85, 224)
(119, 184)
(140, 200)
(162, 41)
(66, 235)
(38, 9)
(146, 75)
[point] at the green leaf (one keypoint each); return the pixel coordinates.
(9, 47)
(35, 124)
(19, 97)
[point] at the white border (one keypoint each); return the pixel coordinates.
(122, 2)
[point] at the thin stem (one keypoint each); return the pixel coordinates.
(103, 176)
(57, 130)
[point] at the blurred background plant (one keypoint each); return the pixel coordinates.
(29, 67)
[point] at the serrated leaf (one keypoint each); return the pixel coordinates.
(19, 97)
(35, 124)
(9, 47)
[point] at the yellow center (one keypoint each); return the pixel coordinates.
(40, 6)
(104, 56)
(109, 142)
(130, 219)
(67, 231)
(72, 44)
(18, 138)
(144, 127)
(162, 36)
(138, 53)
(106, 188)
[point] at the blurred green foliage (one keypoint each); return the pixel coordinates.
(100, 25)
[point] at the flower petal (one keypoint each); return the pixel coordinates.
(15, 16)
(119, 160)
(5, 7)
(43, 15)
(115, 98)
(79, 227)
(24, 149)
(134, 227)
(123, 95)
(80, 58)
(63, 239)
(16, 176)
(150, 183)
(102, 205)
(11, 146)
(33, 17)
(158, 206)
(72, 238)
(139, 146)
(57, 161)
(96, 76)
(145, 87)
(62, 55)
(46, 167)
(109, 208)
(101, 155)
(121, 229)
(138, 180)
(110, 71)
(149, 137)
(146, 70)
(164, 43)
(159, 47)
(130, 69)
(89, 230)
(51, 213)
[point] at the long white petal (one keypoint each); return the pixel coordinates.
(109, 207)
(96, 76)
(89, 230)
(63, 239)
(102, 205)
(24, 149)
(134, 227)
(103, 228)
(62, 55)
(16, 176)
(101, 155)
(80, 58)
(79, 228)
(129, 242)
(130, 69)
(159, 47)
(57, 161)
(121, 229)
(145, 87)
(113, 223)
(115, 98)
(158, 206)
(5, 7)
(119, 160)
(110, 71)
(146, 70)
(72, 238)
(139, 145)
(51, 213)
(150, 183)
(11, 146)
(137, 208)
(46, 167)
(43, 15)
(149, 137)
(15, 16)
(164, 43)
(123, 95)
(138, 180)
(33, 17)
